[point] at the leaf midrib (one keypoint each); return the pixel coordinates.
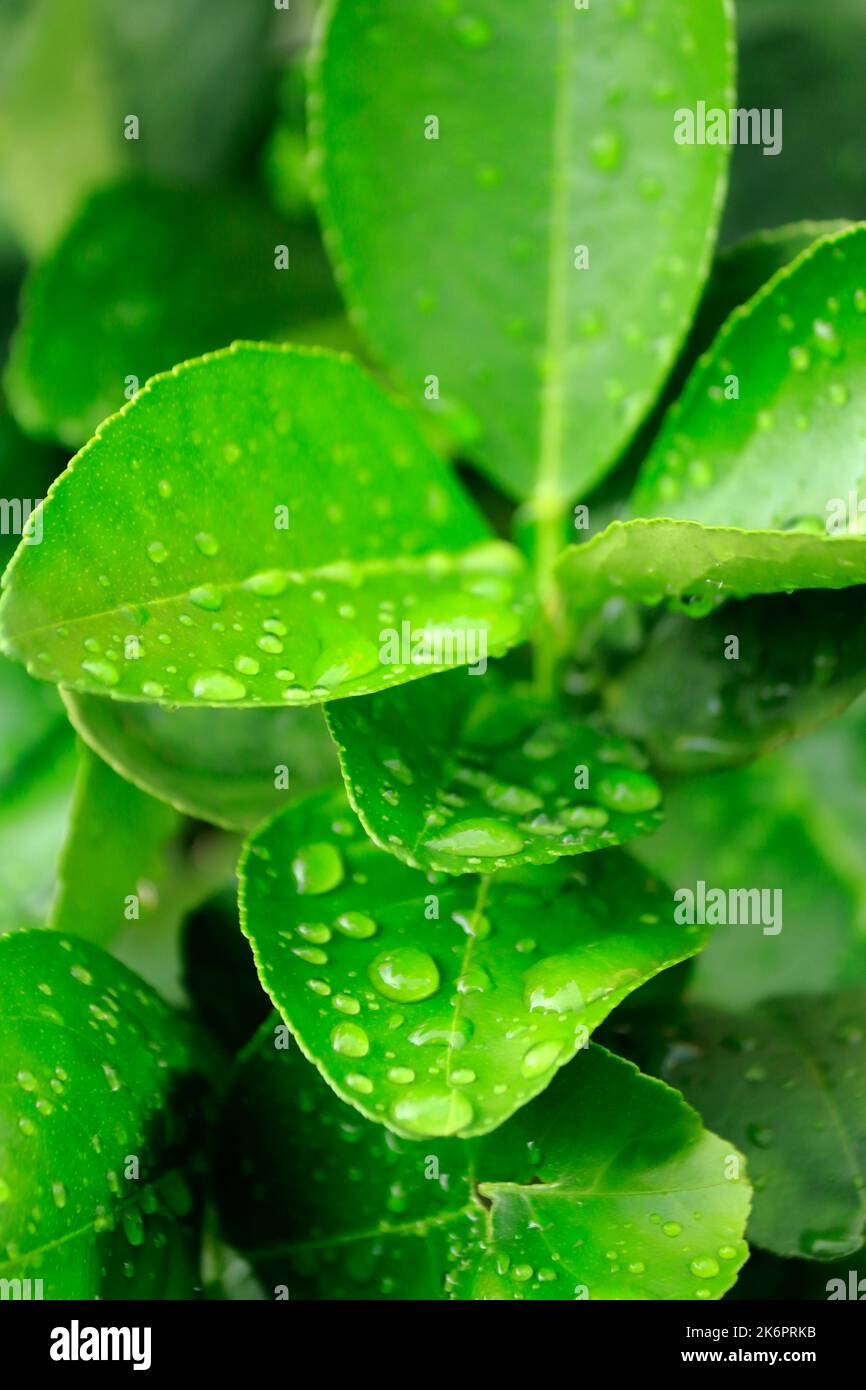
(553, 402)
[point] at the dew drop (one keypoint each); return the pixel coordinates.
(484, 839)
(404, 974)
(350, 1040)
(318, 868)
(216, 685)
(431, 1110)
(356, 925)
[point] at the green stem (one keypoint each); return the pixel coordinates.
(547, 641)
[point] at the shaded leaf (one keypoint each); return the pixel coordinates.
(606, 1159)
(439, 1007)
(221, 766)
(467, 779)
(203, 272)
(805, 60)
(793, 823)
(96, 1068)
(786, 1081)
(118, 856)
(467, 269)
(799, 662)
(74, 71)
(281, 517)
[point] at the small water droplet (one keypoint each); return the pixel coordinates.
(318, 868)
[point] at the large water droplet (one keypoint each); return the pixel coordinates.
(350, 1040)
(431, 1110)
(218, 686)
(483, 839)
(629, 792)
(405, 974)
(318, 868)
(551, 987)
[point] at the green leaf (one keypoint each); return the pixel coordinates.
(798, 349)
(97, 1070)
(55, 74)
(804, 59)
(73, 74)
(787, 1082)
(606, 1159)
(743, 466)
(655, 560)
(119, 848)
(399, 988)
(793, 822)
(467, 271)
(799, 662)
(221, 766)
(203, 272)
(284, 528)
(456, 776)
(37, 770)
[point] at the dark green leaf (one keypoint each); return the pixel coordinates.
(146, 277)
(799, 661)
(285, 530)
(439, 1007)
(466, 271)
(787, 1082)
(454, 775)
(606, 1187)
(97, 1071)
(226, 767)
(793, 822)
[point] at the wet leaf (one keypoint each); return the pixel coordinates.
(606, 1161)
(286, 533)
(98, 322)
(440, 1007)
(227, 767)
(467, 778)
(786, 1081)
(798, 353)
(96, 1070)
(467, 278)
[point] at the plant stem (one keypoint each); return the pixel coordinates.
(549, 530)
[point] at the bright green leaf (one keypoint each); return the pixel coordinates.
(118, 855)
(790, 442)
(454, 775)
(467, 275)
(230, 768)
(37, 770)
(98, 321)
(606, 1159)
(788, 1083)
(95, 1070)
(660, 559)
(263, 526)
(438, 1007)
